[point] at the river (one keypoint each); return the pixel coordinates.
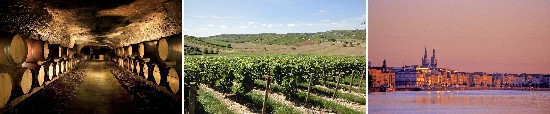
(462, 101)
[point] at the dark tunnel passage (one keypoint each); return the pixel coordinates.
(82, 56)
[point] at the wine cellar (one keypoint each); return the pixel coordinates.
(78, 56)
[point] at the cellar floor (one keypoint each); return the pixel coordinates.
(98, 87)
(100, 93)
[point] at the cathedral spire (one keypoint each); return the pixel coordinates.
(425, 62)
(384, 67)
(433, 61)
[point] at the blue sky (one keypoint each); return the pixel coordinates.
(213, 17)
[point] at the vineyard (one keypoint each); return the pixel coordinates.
(294, 84)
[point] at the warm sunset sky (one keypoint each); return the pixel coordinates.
(506, 36)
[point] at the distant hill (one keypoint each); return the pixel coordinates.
(291, 38)
(334, 42)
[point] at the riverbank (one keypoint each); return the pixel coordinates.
(457, 88)
(488, 88)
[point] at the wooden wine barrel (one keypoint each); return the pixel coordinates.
(13, 49)
(63, 52)
(120, 52)
(173, 80)
(135, 51)
(48, 73)
(128, 51)
(157, 75)
(69, 64)
(120, 63)
(41, 75)
(129, 64)
(26, 79)
(54, 51)
(21, 82)
(5, 88)
(70, 53)
(137, 68)
(132, 66)
(38, 73)
(63, 66)
(151, 51)
(141, 64)
(51, 70)
(146, 72)
(116, 52)
(38, 52)
(125, 62)
(141, 50)
(35, 52)
(46, 50)
(30, 58)
(169, 48)
(58, 69)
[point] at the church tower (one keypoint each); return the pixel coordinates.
(425, 62)
(433, 61)
(384, 67)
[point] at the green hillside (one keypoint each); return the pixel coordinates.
(289, 38)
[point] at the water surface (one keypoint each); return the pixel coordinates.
(463, 101)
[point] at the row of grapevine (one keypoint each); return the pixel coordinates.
(236, 74)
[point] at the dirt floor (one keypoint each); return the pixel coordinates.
(99, 87)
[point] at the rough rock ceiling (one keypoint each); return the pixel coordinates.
(92, 22)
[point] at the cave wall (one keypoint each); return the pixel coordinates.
(98, 23)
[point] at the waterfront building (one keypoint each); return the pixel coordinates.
(409, 78)
(381, 76)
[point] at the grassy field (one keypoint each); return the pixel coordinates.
(336, 42)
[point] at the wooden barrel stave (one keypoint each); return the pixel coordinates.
(146, 71)
(134, 48)
(54, 51)
(169, 48)
(173, 80)
(35, 52)
(5, 88)
(13, 49)
(141, 50)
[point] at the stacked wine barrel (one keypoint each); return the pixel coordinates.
(158, 61)
(27, 64)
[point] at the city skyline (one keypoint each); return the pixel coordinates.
(470, 36)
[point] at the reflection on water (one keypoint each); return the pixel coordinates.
(464, 101)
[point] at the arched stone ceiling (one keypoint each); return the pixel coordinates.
(111, 23)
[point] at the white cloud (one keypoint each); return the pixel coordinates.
(321, 12)
(292, 25)
(222, 26)
(244, 27)
(264, 25)
(210, 25)
(270, 25)
(252, 23)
